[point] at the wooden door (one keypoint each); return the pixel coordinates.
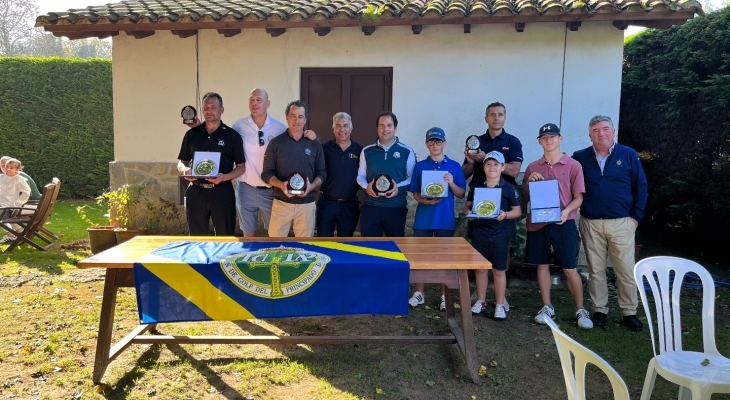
(361, 92)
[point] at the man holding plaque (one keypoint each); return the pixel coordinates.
(211, 198)
(384, 174)
(295, 167)
(257, 130)
(613, 206)
(563, 235)
(338, 207)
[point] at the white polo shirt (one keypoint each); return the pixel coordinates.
(254, 152)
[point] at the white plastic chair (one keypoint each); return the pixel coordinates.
(575, 376)
(698, 374)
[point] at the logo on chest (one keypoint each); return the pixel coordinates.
(221, 143)
(618, 162)
(396, 154)
(308, 152)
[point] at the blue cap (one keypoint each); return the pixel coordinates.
(499, 157)
(435, 133)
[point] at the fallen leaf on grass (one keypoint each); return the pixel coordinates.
(705, 362)
(474, 397)
(494, 363)
(430, 383)
(100, 388)
(410, 328)
(457, 306)
(537, 356)
(427, 307)
(482, 370)
(378, 390)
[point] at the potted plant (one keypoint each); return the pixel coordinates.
(124, 211)
(100, 237)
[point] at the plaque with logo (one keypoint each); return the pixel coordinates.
(487, 203)
(297, 184)
(472, 144)
(544, 201)
(188, 114)
(433, 184)
(205, 164)
(381, 184)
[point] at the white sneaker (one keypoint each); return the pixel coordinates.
(499, 312)
(6, 239)
(478, 307)
(583, 319)
(544, 313)
(506, 305)
(442, 305)
(416, 299)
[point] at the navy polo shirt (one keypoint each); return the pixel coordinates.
(224, 140)
(341, 168)
(508, 145)
(506, 203)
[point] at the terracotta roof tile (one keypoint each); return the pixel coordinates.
(338, 12)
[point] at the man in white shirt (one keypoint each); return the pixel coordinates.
(257, 130)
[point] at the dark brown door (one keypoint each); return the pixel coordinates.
(361, 92)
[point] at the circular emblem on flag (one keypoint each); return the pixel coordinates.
(275, 272)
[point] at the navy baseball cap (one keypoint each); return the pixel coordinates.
(548, 129)
(497, 156)
(435, 133)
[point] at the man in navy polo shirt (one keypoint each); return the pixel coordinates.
(613, 206)
(495, 139)
(212, 198)
(338, 207)
(385, 214)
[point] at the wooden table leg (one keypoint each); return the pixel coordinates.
(106, 324)
(469, 343)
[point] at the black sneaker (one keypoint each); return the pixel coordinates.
(633, 323)
(599, 319)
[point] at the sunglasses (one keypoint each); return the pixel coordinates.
(261, 138)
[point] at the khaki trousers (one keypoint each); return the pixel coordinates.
(614, 239)
(303, 217)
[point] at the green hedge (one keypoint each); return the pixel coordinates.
(675, 110)
(56, 117)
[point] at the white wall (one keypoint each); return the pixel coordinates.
(442, 77)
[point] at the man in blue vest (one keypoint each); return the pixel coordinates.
(613, 205)
(385, 214)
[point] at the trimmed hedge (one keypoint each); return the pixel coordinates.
(675, 110)
(56, 117)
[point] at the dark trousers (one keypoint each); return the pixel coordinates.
(374, 221)
(332, 215)
(217, 203)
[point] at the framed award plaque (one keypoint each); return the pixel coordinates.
(486, 203)
(205, 164)
(544, 201)
(296, 184)
(433, 184)
(381, 184)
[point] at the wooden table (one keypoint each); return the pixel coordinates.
(432, 260)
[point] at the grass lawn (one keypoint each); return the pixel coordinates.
(51, 312)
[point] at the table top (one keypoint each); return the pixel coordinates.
(421, 253)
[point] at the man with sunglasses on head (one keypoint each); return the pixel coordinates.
(257, 130)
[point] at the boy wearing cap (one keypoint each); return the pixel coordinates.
(435, 217)
(562, 236)
(491, 237)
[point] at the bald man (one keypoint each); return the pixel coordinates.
(256, 130)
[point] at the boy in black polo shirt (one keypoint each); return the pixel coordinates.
(491, 237)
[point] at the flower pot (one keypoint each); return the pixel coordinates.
(125, 234)
(101, 238)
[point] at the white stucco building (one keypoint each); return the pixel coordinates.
(548, 61)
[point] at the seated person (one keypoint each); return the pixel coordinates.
(14, 191)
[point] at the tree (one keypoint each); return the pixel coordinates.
(16, 26)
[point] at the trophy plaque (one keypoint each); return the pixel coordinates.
(205, 164)
(487, 203)
(297, 184)
(188, 114)
(381, 184)
(472, 144)
(433, 184)
(544, 201)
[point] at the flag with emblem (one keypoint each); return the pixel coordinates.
(203, 281)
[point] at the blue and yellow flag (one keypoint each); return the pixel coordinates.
(203, 281)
